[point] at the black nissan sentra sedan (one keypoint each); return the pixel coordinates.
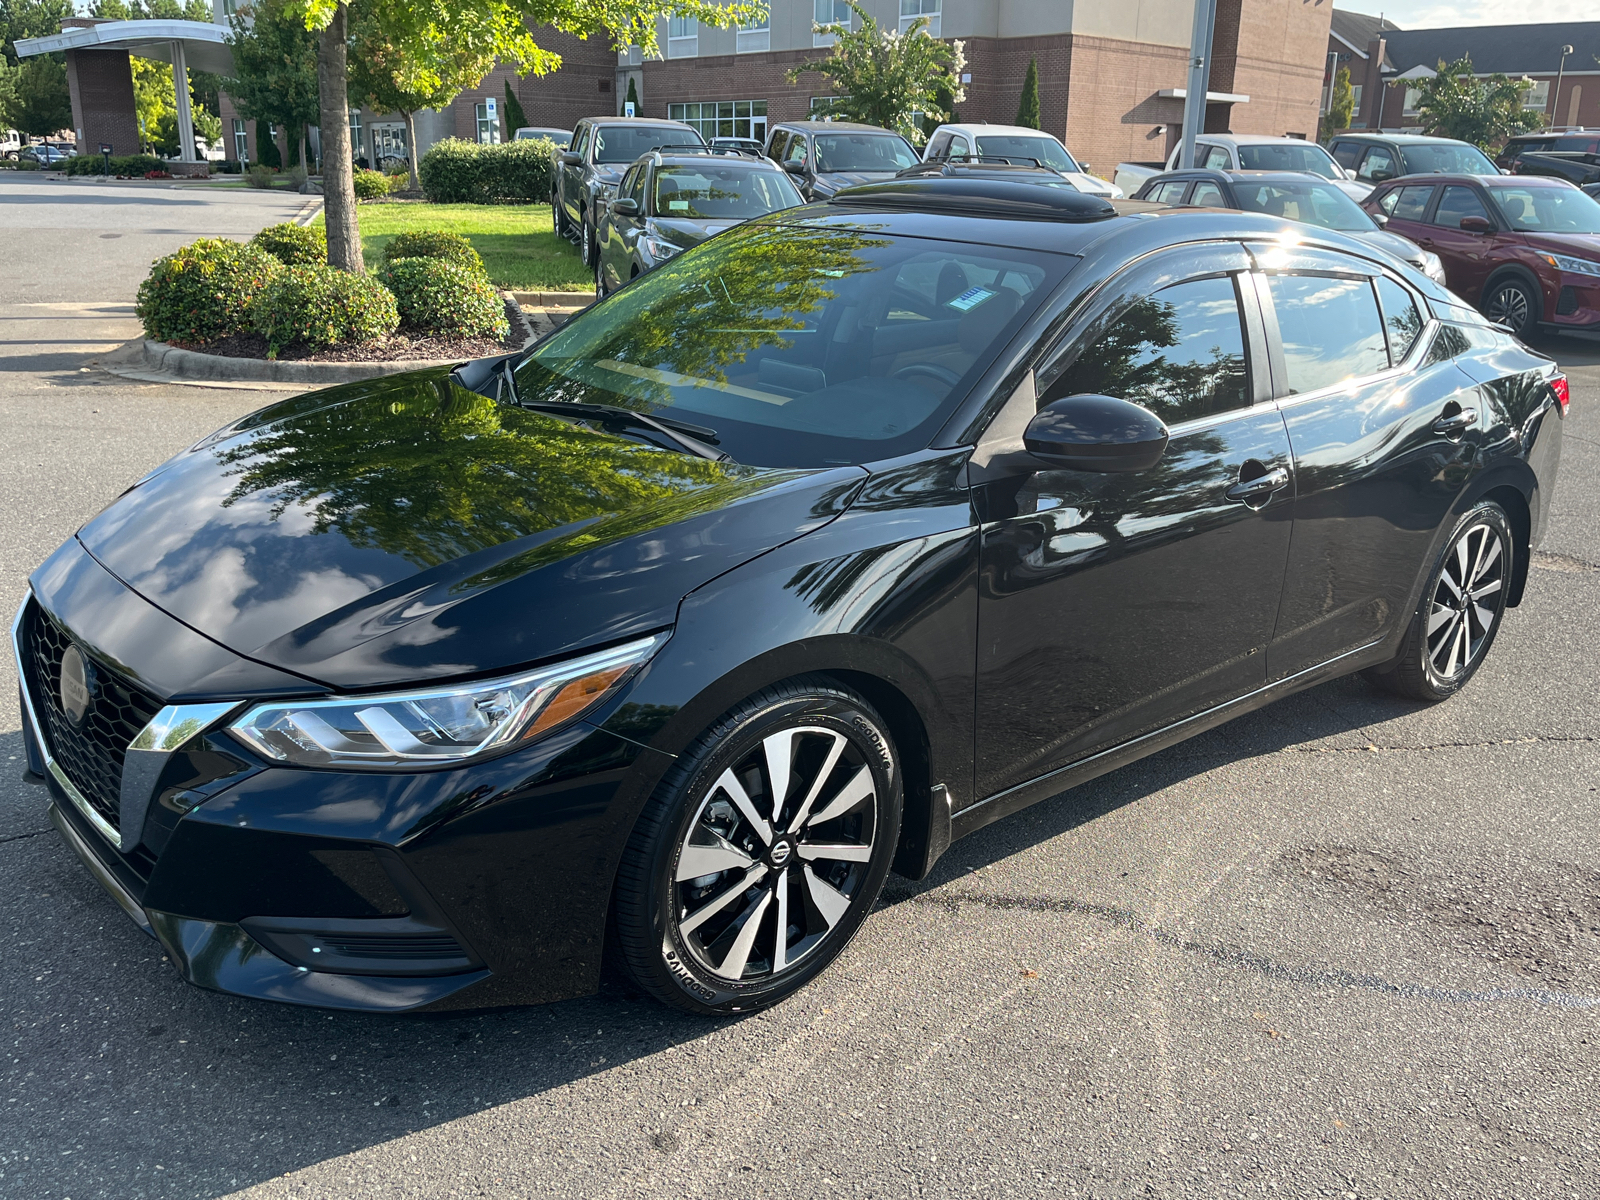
(827, 542)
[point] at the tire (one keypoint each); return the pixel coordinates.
(558, 216)
(1436, 663)
(1514, 303)
(586, 243)
(709, 942)
(599, 278)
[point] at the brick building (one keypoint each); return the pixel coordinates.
(1386, 64)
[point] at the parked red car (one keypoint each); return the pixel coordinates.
(1524, 249)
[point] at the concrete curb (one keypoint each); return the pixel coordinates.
(191, 366)
(558, 300)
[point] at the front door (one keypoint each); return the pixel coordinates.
(1111, 605)
(1465, 253)
(572, 176)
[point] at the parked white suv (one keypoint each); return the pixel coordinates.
(1248, 152)
(1016, 143)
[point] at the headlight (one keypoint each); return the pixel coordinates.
(435, 726)
(659, 249)
(1433, 267)
(1576, 266)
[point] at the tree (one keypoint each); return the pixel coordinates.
(883, 77)
(515, 117)
(43, 105)
(633, 97)
(501, 28)
(1342, 106)
(275, 73)
(1484, 112)
(30, 19)
(1028, 106)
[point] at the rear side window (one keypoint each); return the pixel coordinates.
(1330, 328)
(1167, 193)
(1456, 204)
(1180, 353)
(1408, 203)
(779, 140)
(1208, 195)
(1216, 159)
(1401, 320)
(1346, 153)
(1378, 161)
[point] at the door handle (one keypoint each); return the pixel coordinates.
(1453, 425)
(1254, 493)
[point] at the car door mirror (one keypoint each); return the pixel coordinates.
(1379, 219)
(1381, 176)
(626, 207)
(1477, 224)
(1096, 433)
(571, 159)
(795, 167)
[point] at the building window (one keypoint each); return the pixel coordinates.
(683, 37)
(1355, 101)
(241, 140)
(828, 14)
(358, 148)
(388, 144)
(910, 10)
(821, 107)
(228, 8)
(1409, 108)
(1538, 96)
(488, 125)
(724, 118)
(755, 37)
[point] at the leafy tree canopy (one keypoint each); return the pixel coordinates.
(29, 19)
(884, 77)
(1484, 112)
(275, 66)
(1028, 106)
(41, 104)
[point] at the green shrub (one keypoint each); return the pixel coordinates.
(136, 165)
(204, 291)
(322, 306)
(370, 185)
(259, 175)
(437, 296)
(434, 243)
(294, 245)
(461, 172)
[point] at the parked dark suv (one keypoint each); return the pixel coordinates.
(824, 156)
(1522, 248)
(1574, 142)
(1376, 157)
(587, 172)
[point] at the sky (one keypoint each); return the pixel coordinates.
(1429, 14)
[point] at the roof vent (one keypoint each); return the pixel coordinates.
(1035, 200)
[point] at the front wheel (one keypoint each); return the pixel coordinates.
(599, 277)
(1513, 303)
(761, 852)
(1461, 610)
(586, 243)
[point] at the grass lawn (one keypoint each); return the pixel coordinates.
(518, 245)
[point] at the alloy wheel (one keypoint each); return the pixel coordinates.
(1466, 601)
(1510, 306)
(778, 849)
(587, 248)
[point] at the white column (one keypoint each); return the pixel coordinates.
(180, 84)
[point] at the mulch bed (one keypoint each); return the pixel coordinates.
(400, 347)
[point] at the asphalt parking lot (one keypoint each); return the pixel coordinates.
(1346, 946)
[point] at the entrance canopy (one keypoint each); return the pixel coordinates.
(204, 45)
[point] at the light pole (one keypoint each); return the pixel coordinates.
(1194, 101)
(1555, 101)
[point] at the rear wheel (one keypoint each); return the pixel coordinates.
(586, 243)
(761, 852)
(1461, 610)
(558, 217)
(1514, 303)
(599, 278)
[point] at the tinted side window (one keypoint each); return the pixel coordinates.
(1401, 320)
(1167, 193)
(775, 148)
(580, 143)
(1346, 153)
(1409, 203)
(939, 146)
(1217, 159)
(635, 190)
(1457, 203)
(1180, 353)
(1449, 342)
(1378, 160)
(797, 149)
(1330, 327)
(1208, 195)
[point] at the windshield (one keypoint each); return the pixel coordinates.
(863, 152)
(712, 192)
(1278, 156)
(1453, 158)
(1314, 203)
(799, 346)
(1049, 152)
(1547, 209)
(624, 143)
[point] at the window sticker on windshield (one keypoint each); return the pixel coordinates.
(970, 299)
(678, 205)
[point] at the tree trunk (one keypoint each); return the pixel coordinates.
(411, 150)
(338, 174)
(304, 165)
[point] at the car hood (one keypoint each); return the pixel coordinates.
(405, 529)
(1399, 246)
(1091, 184)
(1353, 188)
(689, 233)
(833, 181)
(1581, 245)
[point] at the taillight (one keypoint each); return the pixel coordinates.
(1558, 385)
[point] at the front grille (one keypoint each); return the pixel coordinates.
(90, 755)
(404, 946)
(1567, 301)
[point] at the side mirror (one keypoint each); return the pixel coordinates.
(1096, 433)
(1088, 168)
(1379, 219)
(795, 168)
(1477, 224)
(1381, 176)
(626, 207)
(571, 159)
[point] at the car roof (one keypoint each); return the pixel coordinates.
(1462, 179)
(637, 121)
(1007, 130)
(719, 160)
(833, 126)
(1400, 138)
(1249, 139)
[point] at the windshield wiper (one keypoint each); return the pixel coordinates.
(695, 439)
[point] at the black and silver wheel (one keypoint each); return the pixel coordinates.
(762, 851)
(1513, 303)
(586, 243)
(599, 278)
(557, 217)
(1461, 609)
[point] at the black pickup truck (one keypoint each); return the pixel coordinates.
(1574, 166)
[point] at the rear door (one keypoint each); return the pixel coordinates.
(1113, 605)
(1384, 439)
